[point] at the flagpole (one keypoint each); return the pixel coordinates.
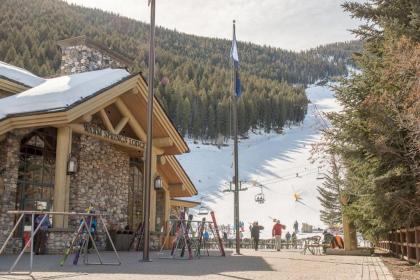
(235, 152)
(149, 143)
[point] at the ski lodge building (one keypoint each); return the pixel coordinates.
(77, 140)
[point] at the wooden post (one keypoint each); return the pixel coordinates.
(62, 180)
(167, 206)
(153, 194)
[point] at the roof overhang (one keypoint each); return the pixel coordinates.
(132, 91)
(184, 203)
(11, 86)
(178, 182)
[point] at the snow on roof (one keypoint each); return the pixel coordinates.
(19, 75)
(59, 93)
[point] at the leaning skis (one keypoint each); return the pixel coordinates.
(216, 228)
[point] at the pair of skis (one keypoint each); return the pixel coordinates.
(183, 236)
(82, 237)
(215, 230)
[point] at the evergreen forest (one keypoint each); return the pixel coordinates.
(193, 73)
(375, 139)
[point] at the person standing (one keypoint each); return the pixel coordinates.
(296, 227)
(294, 240)
(255, 234)
(287, 239)
(41, 237)
(277, 229)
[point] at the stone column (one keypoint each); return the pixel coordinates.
(62, 180)
(9, 162)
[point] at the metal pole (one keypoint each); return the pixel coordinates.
(32, 242)
(235, 151)
(149, 144)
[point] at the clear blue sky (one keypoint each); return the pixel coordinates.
(289, 24)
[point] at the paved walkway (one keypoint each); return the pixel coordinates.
(251, 265)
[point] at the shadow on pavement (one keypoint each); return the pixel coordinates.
(132, 265)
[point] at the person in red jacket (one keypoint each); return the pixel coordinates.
(277, 229)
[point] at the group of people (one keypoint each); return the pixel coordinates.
(276, 234)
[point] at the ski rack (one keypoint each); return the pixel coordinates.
(197, 243)
(34, 231)
(182, 237)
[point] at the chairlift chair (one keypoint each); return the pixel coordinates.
(320, 176)
(202, 211)
(259, 198)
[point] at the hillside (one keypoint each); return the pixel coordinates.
(195, 70)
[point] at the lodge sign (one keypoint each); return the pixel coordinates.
(96, 131)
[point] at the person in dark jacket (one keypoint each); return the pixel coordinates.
(41, 237)
(255, 234)
(288, 236)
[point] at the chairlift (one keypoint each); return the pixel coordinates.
(260, 198)
(203, 211)
(320, 176)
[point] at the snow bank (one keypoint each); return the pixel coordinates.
(60, 93)
(19, 75)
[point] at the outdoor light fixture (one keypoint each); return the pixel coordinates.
(158, 183)
(72, 165)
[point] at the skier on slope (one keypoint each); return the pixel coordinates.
(276, 233)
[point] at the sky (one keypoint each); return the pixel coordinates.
(288, 24)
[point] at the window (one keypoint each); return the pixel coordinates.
(35, 185)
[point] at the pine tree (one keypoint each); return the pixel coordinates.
(330, 195)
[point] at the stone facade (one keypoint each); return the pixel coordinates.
(102, 179)
(9, 167)
(81, 58)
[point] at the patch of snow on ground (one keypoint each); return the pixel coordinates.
(280, 162)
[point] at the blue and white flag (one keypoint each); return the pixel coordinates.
(235, 57)
(234, 51)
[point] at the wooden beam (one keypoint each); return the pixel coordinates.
(177, 186)
(78, 128)
(84, 119)
(138, 130)
(161, 160)
(2, 137)
(106, 120)
(63, 150)
(122, 123)
(163, 142)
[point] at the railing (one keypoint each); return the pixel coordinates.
(403, 243)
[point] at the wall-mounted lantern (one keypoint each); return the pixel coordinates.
(72, 165)
(158, 183)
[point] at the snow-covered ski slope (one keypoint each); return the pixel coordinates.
(280, 162)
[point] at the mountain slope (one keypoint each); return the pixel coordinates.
(280, 162)
(194, 71)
